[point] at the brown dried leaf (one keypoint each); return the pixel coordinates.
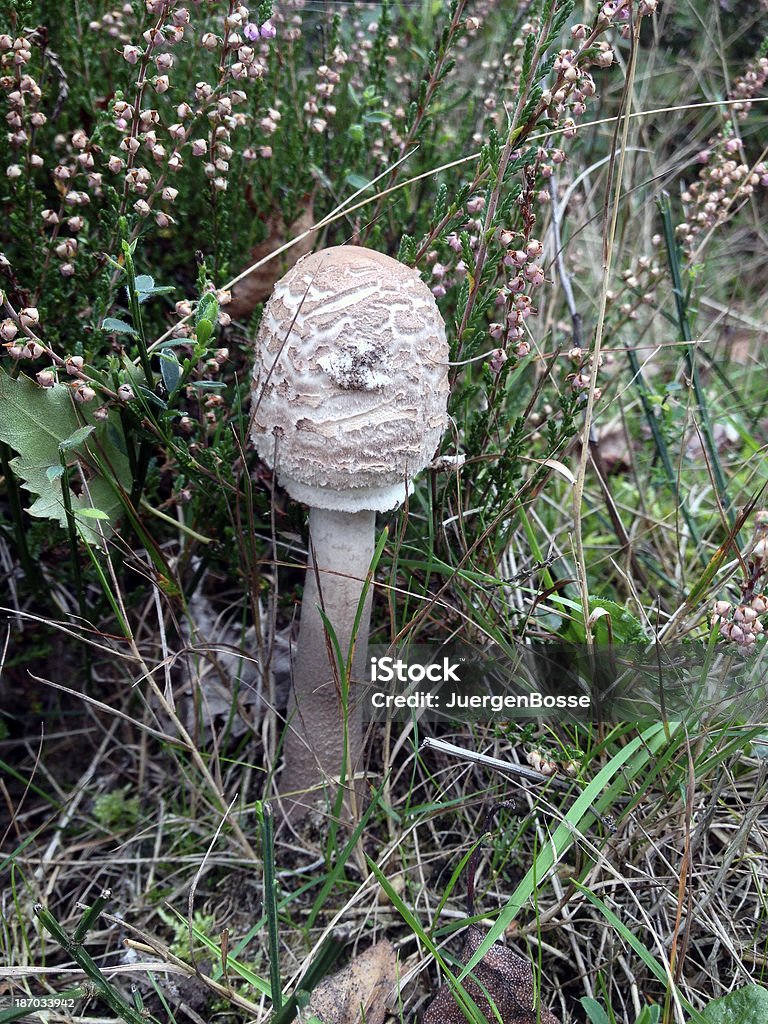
(257, 287)
(613, 448)
(359, 991)
(505, 977)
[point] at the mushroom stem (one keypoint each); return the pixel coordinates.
(340, 555)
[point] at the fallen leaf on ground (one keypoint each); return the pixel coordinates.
(359, 991)
(501, 975)
(257, 287)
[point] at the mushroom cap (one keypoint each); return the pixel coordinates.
(350, 386)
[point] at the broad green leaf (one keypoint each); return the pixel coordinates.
(144, 283)
(146, 287)
(170, 370)
(35, 422)
(207, 308)
(76, 438)
(748, 1005)
(115, 326)
(204, 331)
(594, 1011)
(357, 182)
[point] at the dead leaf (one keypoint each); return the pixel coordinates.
(257, 287)
(613, 448)
(505, 977)
(359, 991)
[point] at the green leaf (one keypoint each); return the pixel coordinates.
(207, 308)
(748, 1005)
(144, 283)
(594, 1011)
(204, 331)
(170, 370)
(36, 422)
(115, 326)
(76, 438)
(146, 287)
(357, 182)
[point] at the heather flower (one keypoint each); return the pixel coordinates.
(497, 360)
(8, 330)
(29, 316)
(83, 393)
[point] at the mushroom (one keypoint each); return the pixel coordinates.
(350, 389)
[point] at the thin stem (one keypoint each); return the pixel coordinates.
(322, 712)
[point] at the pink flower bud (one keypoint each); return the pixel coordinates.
(8, 328)
(29, 316)
(199, 147)
(497, 360)
(46, 378)
(604, 58)
(33, 349)
(131, 54)
(83, 393)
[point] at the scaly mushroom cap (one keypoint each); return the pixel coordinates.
(351, 380)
